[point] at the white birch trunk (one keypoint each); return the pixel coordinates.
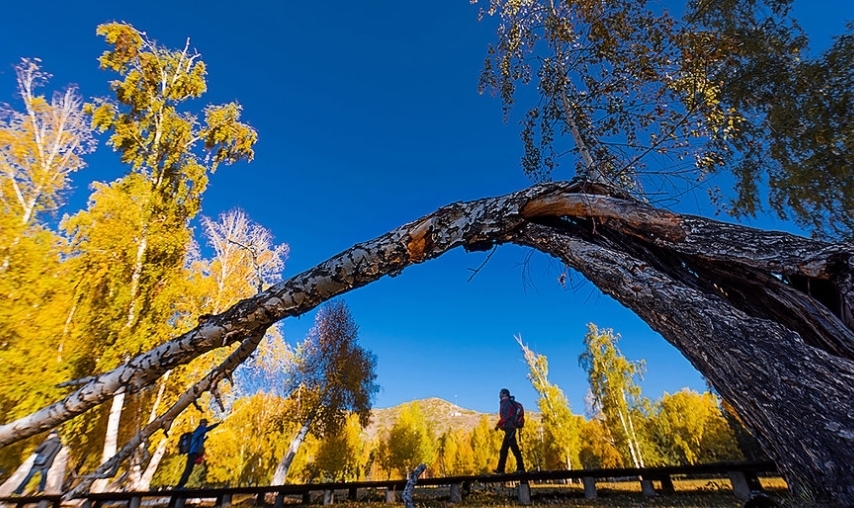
(285, 464)
(144, 482)
(56, 474)
(633, 437)
(111, 439)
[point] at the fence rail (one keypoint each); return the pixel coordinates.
(742, 475)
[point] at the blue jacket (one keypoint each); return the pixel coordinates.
(197, 442)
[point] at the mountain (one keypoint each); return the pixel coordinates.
(439, 413)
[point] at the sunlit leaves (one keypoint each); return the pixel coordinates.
(39, 146)
(692, 426)
(560, 428)
(409, 442)
(148, 129)
(614, 389)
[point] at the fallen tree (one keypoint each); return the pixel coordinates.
(765, 316)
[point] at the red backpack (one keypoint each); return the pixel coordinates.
(517, 414)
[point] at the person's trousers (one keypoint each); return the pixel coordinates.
(42, 481)
(509, 443)
(188, 469)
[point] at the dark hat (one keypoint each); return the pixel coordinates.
(504, 392)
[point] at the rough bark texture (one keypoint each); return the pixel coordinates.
(767, 317)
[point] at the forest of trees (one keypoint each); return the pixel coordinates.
(113, 315)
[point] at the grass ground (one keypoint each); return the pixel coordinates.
(715, 493)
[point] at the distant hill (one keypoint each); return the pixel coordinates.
(440, 413)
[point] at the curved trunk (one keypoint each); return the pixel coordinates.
(790, 392)
(766, 317)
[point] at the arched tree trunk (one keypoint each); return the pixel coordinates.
(766, 317)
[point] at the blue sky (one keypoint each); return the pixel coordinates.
(369, 117)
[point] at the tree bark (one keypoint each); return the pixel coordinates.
(766, 317)
(792, 390)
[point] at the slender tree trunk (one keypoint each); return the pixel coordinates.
(111, 439)
(144, 481)
(136, 276)
(285, 464)
(629, 440)
(56, 473)
(634, 439)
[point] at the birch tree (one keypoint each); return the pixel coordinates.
(334, 375)
(615, 392)
(40, 147)
(43, 141)
(691, 427)
(409, 442)
(141, 221)
(560, 427)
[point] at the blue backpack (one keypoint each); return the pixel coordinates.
(184, 442)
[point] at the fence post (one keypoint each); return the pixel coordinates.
(589, 487)
(647, 488)
(328, 497)
(390, 495)
(456, 493)
(740, 487)
(353, 494)
(524, 493)
(224, 501)
(135, 501)
(280, 500)
(667, 485)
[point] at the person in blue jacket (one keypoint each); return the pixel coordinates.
(45, 454)
(196, 450)
(506, 412)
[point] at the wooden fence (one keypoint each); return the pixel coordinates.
(742, 475)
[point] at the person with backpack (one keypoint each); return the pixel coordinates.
(195, 449)
(511, 417)
(45, 453)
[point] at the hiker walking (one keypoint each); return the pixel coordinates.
(45, 454)
(507, 422)
(195, 450)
